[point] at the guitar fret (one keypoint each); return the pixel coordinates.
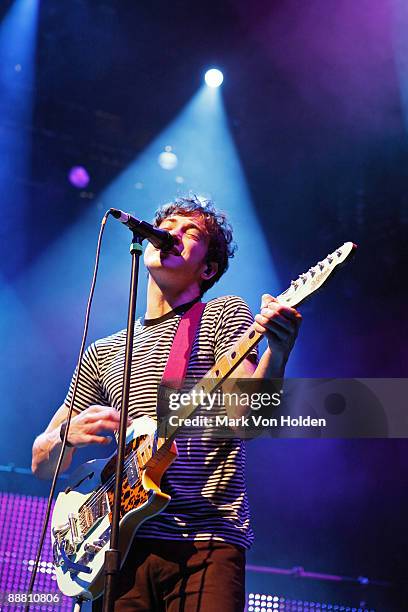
(221, 367)
(218, 372)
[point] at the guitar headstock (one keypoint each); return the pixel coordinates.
(315, 277)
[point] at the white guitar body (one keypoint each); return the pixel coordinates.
(79, 551)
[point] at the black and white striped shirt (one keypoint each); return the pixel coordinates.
(207, 481)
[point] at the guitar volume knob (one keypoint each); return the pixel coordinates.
(92, 548)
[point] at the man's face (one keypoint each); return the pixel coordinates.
(186, 263)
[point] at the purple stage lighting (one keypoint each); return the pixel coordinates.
(78, 177)
(20, 528)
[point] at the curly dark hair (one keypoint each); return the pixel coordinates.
(221, 246)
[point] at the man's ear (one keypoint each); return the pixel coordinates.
(210, 270)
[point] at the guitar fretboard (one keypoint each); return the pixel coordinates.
(297, 292)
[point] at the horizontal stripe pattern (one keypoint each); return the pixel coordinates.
(207, 481)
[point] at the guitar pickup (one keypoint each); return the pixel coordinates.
(76, 531)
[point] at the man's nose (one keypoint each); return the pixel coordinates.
(177, 235)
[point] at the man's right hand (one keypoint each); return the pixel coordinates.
(85, 427)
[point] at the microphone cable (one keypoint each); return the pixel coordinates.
(70, 411)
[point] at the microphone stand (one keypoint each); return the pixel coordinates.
(112, 555)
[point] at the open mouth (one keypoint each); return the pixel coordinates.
(175, 252)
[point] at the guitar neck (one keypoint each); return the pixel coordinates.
(297, 292)
(221, 370)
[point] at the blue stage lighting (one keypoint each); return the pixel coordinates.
(18, 30)
(167, 159)
(213, 77)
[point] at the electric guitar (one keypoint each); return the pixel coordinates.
(81, 520)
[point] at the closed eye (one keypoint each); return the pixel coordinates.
(191, 232)
(194, 234)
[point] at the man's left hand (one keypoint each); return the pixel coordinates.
(280, 325)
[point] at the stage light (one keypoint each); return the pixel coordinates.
(24, 513)
(209, 164)
(213, 77)
(167, 159)
(18, 31)
(78, 177)
(261, 603)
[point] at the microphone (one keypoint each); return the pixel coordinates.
(160, 238)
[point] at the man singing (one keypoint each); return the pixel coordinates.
(192, 555)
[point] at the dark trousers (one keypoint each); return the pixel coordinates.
(174, 576)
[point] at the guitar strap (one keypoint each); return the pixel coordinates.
(177, 362)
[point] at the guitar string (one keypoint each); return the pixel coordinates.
(94, 499)
(92, 502)
(94, 505)
(107, 484)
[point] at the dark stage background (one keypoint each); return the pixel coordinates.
(305, 144)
